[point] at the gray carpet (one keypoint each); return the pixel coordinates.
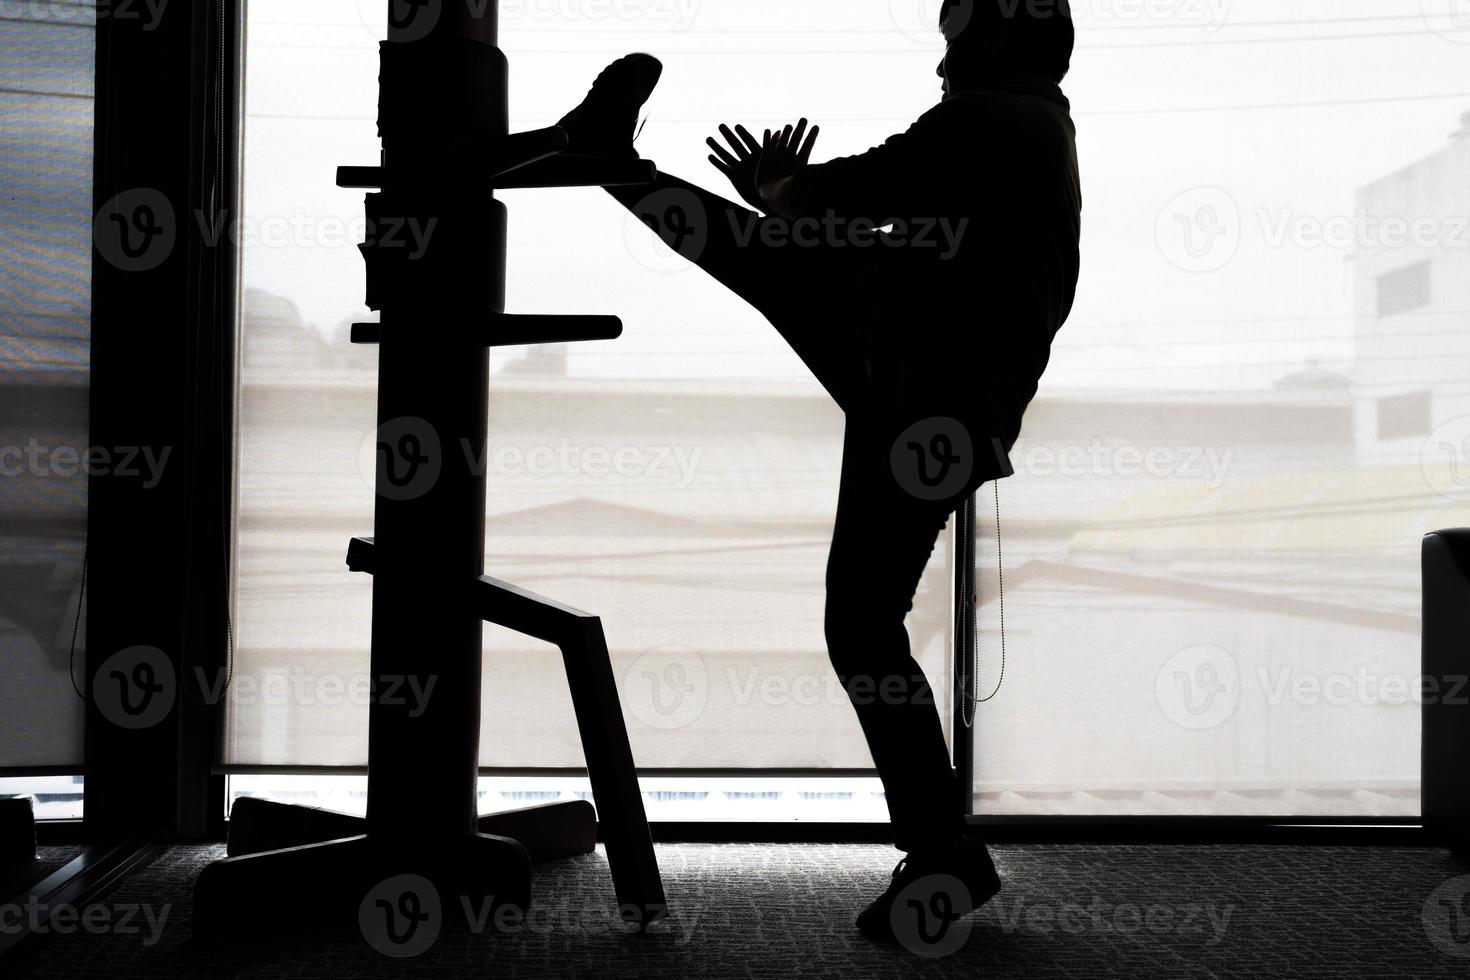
(785, 910)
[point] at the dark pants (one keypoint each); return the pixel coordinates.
(883, 535)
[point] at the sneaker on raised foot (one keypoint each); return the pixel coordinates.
(603, 125)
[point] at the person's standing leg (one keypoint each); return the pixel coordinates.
(883, 536)
(880, 547)
(881, 544)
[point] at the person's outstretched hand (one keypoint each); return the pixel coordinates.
(739, 162)
(783, 155)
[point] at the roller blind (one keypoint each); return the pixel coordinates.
(46, 86)
(679, 482)
(1258, 409)
(1210, 542)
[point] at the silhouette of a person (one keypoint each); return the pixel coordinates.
(922, 282)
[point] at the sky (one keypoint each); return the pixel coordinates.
(1214, 135)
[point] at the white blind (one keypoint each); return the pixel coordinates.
(679, 482)
(1212, 539)
(1247, 425)
(46, 83)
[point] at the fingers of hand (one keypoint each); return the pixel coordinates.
(725, 156)
(798, 133)
(750, 141)
(741, 151)
(811, 141)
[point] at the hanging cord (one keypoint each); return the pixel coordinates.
(969, 622)
(71, 660)
(1000, 592)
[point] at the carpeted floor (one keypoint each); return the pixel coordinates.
(762, 911)
(48, 859)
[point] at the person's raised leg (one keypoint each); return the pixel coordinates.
(806, 291)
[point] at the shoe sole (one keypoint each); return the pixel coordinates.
(642, 72)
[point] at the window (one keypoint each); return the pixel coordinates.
(680, 482)
(1404, 289)
(1212, 565)
(56, 797)
(1211, 578)
(46, 110)
(1405, 416)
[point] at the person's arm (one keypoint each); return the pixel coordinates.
(872, 185)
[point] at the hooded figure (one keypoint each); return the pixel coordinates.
(922, 283)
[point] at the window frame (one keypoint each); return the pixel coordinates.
(148, 92)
